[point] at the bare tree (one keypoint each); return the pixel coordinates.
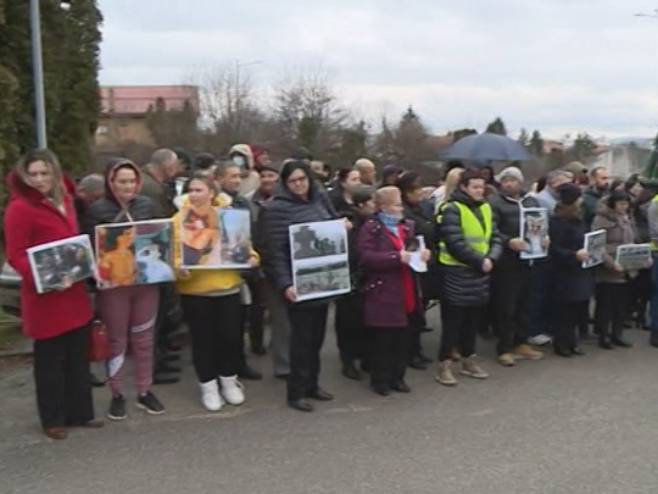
(307, 112)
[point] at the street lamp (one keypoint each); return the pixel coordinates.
(37, 69)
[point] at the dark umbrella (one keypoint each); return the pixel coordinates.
(486, 147)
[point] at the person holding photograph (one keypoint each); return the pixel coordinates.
(613, 282)
(391, 300)
(211, 307)
(511, 278)
(574, 285)
(349, 308)
(129, 312)
(40, 211)
(229, 179)
(418, 210)
(469, 245)
(297, 199)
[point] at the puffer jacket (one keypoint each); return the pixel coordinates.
(620, 230)
(465, 286)
(572, 282)
(507, 212)
(283, 210)
(109, 210)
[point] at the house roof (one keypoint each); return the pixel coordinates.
(136, 100)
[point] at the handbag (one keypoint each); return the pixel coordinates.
(99, 345)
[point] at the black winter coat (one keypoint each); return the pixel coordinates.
(507, 212)
(276, 216)
(465, 286)
(572, 282)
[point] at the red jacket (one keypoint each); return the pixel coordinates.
(30, 219)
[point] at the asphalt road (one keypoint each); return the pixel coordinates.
(580, 425)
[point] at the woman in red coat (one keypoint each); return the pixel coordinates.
(41, 210)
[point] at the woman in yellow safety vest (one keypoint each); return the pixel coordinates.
(469, 244)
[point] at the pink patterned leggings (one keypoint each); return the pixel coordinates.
(129, 314)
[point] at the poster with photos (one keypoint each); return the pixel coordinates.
(59, 264)
(215, 238)
(320, 263)
(634, 256)
(534, 232)
(595, 247)
(135, 253)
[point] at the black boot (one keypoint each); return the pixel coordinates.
(604, 343)
(653, 339)
(350, 371)
(619, 341)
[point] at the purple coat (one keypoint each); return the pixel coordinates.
(381, 267)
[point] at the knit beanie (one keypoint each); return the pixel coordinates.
(568, 193)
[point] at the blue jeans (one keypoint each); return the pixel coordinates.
(653, 309)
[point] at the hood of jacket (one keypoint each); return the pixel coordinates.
(110, 172)
(244, 150)
(19, 188)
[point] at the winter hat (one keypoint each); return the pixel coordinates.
(362, 195)
(391, 170)
(616, 196)
(569, 193)
(408, 182)
(575, 167)
(510, 172)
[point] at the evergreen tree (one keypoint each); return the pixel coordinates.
(536, 145)
(497, 127)
(411, 139)
(70, 43)
(651, 170)
(523, 138)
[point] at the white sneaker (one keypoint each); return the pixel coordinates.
(210, 397)
(232, 390)
(540, 339)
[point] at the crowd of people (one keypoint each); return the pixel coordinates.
(470, 226)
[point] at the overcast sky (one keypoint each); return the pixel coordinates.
(556, 65)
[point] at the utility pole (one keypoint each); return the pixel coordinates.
(37, 68)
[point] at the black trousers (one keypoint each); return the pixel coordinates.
(61, 375)
(307, 330)
(571, 314)
(511, 289)
(640, 292)
(612, 300)
(390, 355)
(350, 333)
(215, 328)
(460, 327)
(166, 322)
(256, 312)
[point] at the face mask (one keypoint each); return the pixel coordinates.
(239, 160)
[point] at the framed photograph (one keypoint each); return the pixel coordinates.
(595, 246)
(534, 231)
(136, 253)
(216, 238)
(633, 256)
(62, 262)
(320, 263)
